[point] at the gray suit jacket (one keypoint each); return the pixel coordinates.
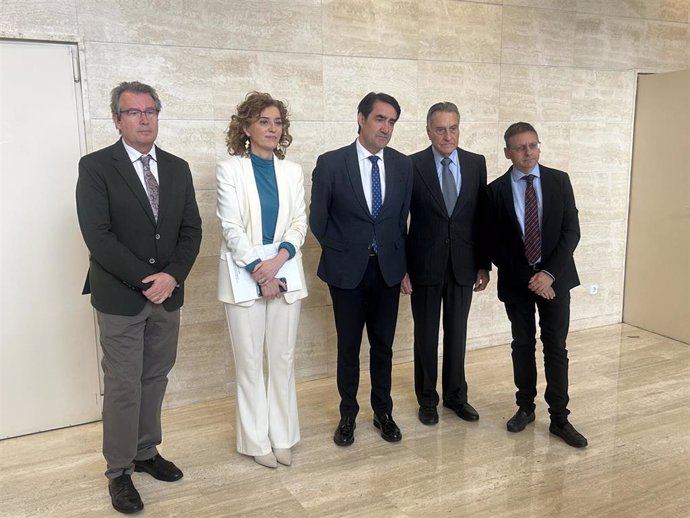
(340, 219)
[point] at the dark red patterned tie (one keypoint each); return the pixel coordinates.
(151, 184)
(532, 233)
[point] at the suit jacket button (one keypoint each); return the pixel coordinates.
(152, 260)
(158, 236)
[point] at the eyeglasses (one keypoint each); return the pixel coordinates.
(521, 149)
(149, 113)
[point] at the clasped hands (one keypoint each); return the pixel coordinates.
(540, 284)
(479, 285)
(161, 288)
(264, 274)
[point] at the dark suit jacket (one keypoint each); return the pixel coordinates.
(434, 236)
(124, 240)
(340, 219)
(560, 233)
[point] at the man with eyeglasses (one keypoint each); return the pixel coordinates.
(446, 260)
(534, 230)
(139, 219)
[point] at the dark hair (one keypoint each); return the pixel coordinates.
(366, 105)
(248, 112)
(444, 106)
(518, 127)
(135, 87)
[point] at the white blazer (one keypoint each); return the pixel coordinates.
(239, 211)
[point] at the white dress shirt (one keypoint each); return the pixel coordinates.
(365, 166)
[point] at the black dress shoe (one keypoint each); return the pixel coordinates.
(345, 433)
(428, 415)
(569, 434)
(124, 495)
(159, 468)
(464, 410)
(521, 419)
(389, 430)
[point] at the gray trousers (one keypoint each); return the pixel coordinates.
(138, 353)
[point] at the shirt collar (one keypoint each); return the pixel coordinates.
(516, 174)
(363, 153)
(438, 156)
(134, 155)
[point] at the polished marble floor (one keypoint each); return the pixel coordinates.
(629, 395)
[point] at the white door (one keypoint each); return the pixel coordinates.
(48, 364)
(657, 271)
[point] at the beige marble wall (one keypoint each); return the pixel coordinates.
(569, 67)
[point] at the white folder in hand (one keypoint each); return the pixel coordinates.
(243, 286)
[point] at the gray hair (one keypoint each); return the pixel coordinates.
(444, 106)
(135, 87)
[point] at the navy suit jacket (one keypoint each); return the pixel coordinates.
(560, 233)
(125, 241)
(342, 223)
(434, 237)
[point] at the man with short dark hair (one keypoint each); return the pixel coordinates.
(446, 260)
(534, 232)
(359, 205)
(139, 219)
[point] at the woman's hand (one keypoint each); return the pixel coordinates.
(267, 270)
(271, 289)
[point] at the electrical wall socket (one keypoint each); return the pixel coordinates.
(593, 289)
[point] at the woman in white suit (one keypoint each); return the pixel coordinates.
(261, 202)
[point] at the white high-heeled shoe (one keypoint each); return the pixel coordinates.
(283, 455)
(268, 460)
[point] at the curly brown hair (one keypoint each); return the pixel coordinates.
(248, 112)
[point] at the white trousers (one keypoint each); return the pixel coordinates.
(266, 410)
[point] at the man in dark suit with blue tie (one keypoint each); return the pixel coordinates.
(139, 219)
(359, 205)
(446, 260)
(534, 230)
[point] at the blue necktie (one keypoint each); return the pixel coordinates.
(376, 201)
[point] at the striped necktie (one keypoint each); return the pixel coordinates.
(532, 232)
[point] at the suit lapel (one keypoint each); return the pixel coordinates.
(426, 166)
(548, 190)
(352, 167)
(249, 181)
(393, 186)
(283, 197)
(467, 179)
(166, 181)
(123, 165)
(507, 195)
